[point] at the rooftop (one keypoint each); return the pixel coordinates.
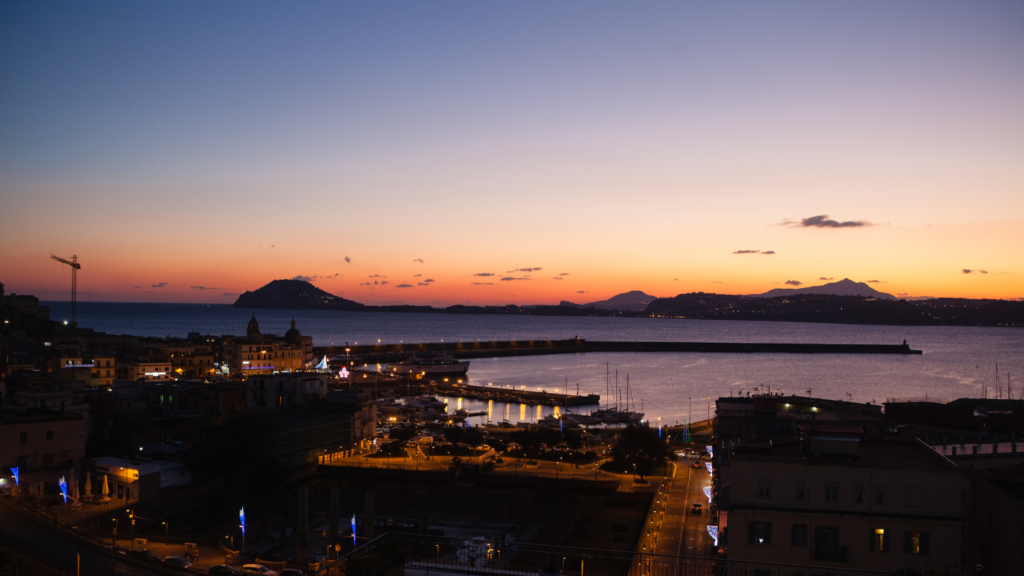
(903, 454)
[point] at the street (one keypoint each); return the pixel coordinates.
(673, 528)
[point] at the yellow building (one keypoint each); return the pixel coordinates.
(266, 354)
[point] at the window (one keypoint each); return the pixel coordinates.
(858, 494)
(801, 491)
(826, 543)
(880, 494)
(914, 496)
(879, 540)
(915, 542)
(831, 492)
(798, 536)
(49, 434)
(764, 489)
(759, 533)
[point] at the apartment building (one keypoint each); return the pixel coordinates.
(832, 499)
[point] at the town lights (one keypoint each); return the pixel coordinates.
(713, 531)
(707, 492)
(63, 488)
(353, 530)
(711, 470)
(241, 519)
(710, 451)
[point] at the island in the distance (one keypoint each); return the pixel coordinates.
(843, 302)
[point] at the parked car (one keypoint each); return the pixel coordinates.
(224, 570)
(696, 508)
(177, 563)
(258, 569)
(695, 464)
(144, 555)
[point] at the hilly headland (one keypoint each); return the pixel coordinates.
(856, 303)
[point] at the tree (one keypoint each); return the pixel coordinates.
(404, 433)
(454, 434)
(473, 437)
(639, 445)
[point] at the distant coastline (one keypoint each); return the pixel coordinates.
(798, 307)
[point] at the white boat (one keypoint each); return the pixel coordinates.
(435, 366)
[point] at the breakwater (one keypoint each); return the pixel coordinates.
(498, 349)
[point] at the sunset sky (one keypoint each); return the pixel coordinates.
(511, 152)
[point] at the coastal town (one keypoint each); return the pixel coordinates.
(263, 452)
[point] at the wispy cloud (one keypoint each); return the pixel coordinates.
(823, 278)
(558, 278)
(205, 288)
(403, 286)
(302, 278)
(582, 292)
(747, 252)
(420, 260)
(429, 280)
(423, 283)
(983, 271)
(967, 271)
(794, 282)
(823, 221)
(136, 286)
(348, 260)
(378, 276)
(876, 282)
(564, 274)
(537, 269)
(230, 294)
(417, 275)
(382, 282)
(366, 283)
(716, 281)
(510, 278)
(768, 252)
(159, 285)
(483, 274)
(482, 283)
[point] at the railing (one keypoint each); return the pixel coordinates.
(480, 556)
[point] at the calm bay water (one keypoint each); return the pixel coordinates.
(957, 362)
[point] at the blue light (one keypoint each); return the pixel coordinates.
(15, 472)
(710, 451)
(707, 492)
(353, 530)
(63, 488)
(241, 519)
(713, 532)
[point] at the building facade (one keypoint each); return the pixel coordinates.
(831, 500)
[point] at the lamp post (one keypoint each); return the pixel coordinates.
(167, 531)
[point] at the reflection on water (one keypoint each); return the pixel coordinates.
(524, 415)
(557, 413)
(460, 404)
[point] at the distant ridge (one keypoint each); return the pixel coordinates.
(634, 300)
(844, 287)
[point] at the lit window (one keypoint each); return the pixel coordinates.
(879, 540)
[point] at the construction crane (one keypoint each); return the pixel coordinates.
(74, 285)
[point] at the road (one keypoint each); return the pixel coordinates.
(64, 547)
(673, 528)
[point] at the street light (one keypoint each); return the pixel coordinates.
(167, 538)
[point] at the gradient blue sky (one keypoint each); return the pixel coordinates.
(631, 146)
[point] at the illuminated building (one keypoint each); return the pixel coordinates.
(260, 353)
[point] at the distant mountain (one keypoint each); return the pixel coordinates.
(631, 301)
(844, 287)
(294, 295)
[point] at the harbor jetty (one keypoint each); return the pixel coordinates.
(496, 349)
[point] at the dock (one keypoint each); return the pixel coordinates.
(384, 353)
